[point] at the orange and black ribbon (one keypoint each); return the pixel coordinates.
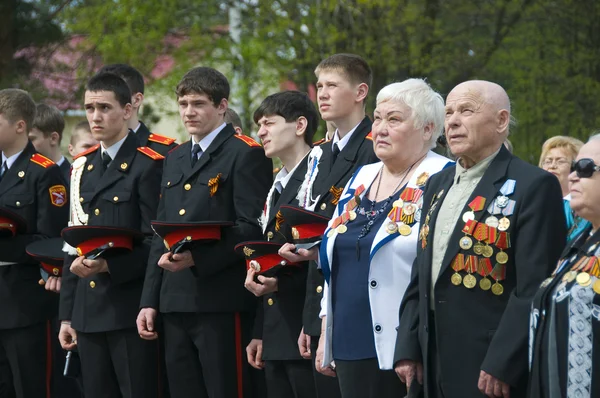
(336, 193)
(213, 184)
(278, 220)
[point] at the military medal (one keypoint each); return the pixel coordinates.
(584, 279)
(469, 281)
(422, 179)
(405, 230)
(481, 234)
(341, 229)
(596, 286)
(492, 221)
(458, 264)
(466, 242)
(476, 204)
(503, 224)
(391, 228)
(398, 203)
(498, 274)
(502, 243)
(484, 269)
(352, 214)
(502, 201)
(488, 251)
(409, 209)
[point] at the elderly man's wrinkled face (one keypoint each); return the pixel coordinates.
(585, 192)
(471, 123)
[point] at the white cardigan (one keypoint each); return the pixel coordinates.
(391, 263)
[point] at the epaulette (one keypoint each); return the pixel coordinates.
(161, 139)
(369, 136)
(41, 160)
(152, 154)
(247, 140)
(92, 149)
(321, 141)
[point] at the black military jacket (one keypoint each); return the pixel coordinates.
(34, 189)
(229, 182)
(126, 195)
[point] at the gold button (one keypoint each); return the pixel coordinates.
(187, 187)
(116, 198)
(319, 289)
(92, 284)
(181, 212)
(21, 174)
(97, 212)
(90, 167)
(18, 203)
(124, 166)
(270, 235)
(270, 301)
(169, 183)
(81, 199)
(323, 206)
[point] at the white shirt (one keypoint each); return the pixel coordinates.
(283, 177)
(135, 130)
(208, 139)
(114, 148)
(60, 161)
(341, 143)
(10, 160)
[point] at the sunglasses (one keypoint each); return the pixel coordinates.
(584, 168)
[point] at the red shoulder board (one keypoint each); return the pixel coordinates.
(322, 140)
(161, 139)
(41, 160)
(92, 149)
(369, 136)
(247, 140)
(152, 154)
(172, 149)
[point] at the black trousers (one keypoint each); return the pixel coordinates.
(434, 376)
(327, 387)
(118, 364)
(205, 354)
(62, 387)
(290, 379)
(25, 353)
(364, 379)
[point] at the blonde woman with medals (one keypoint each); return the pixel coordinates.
(369, 246)
(564, 344)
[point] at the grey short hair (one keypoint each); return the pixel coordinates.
(426, 104)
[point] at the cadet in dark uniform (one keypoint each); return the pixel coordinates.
(287, 122)
(46, 136)
(135, 82)
(342, 88)
(217, 175)
(115, 184)
(30, 186)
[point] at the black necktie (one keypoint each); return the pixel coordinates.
(335, 153)
(195, 151)
(106, 159)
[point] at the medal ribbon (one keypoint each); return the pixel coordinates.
(470, 227)
(471, 264)
(358, 191)
(499, 272)
(596, 269)
(509, 209)
(407, 194)
(278, 220)
(503, 241)
(492, 235)
(477, 204)
(395, 214)
(481, 232)
(485, 267)
(590, 263)
(416, 195)
(579, 264)
(458, 264)
(508, 188)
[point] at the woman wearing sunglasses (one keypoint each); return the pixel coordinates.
(558, 153)
(565, 319)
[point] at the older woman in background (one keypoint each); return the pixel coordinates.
(565, 319)
(558, 153)
(369, 246)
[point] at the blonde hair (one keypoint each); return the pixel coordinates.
(569, 144)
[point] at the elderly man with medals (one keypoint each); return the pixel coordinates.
(370, 243)
(565, 317)
(493, 225)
